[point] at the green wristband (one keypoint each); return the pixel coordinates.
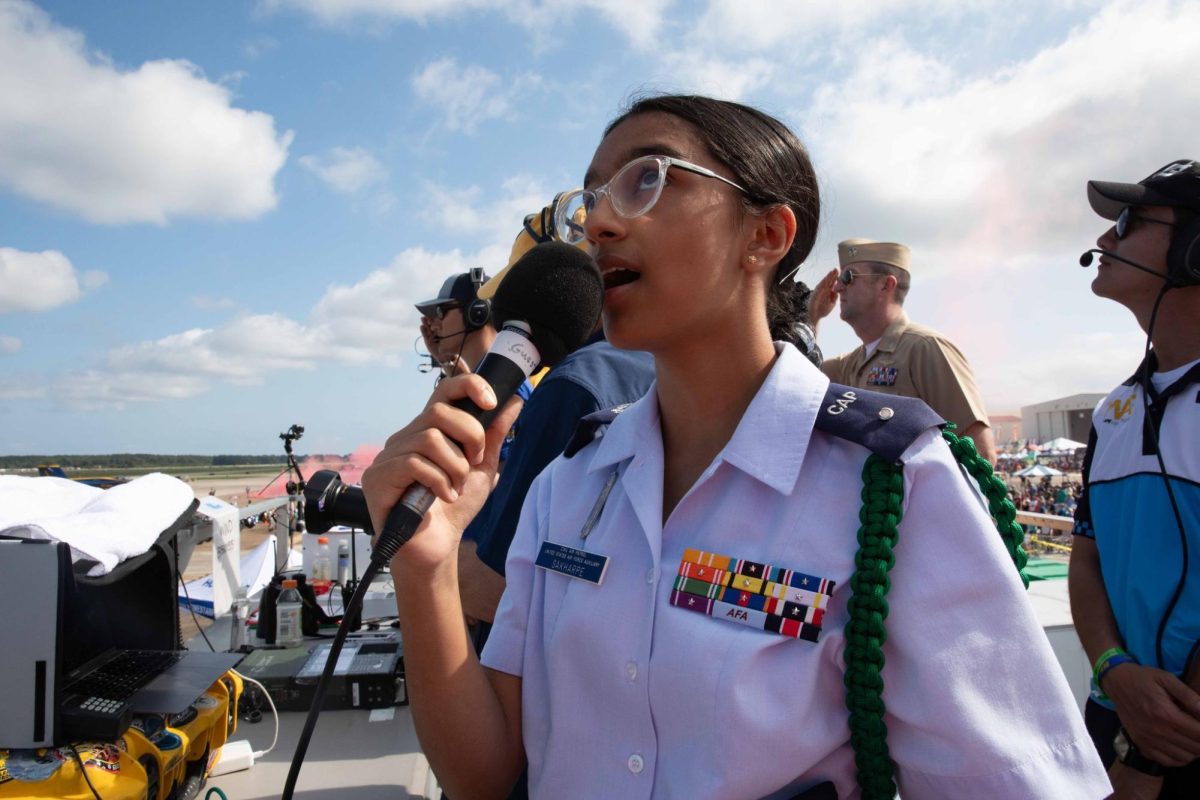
(1104, 662)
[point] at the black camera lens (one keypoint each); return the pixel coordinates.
(328, 501)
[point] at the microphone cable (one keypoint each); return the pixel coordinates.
(1147, 387)
(454, 367)
(428, 362)
(322, 688)
(401, 524)
(435, 361)
(546, 307)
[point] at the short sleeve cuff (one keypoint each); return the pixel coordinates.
(504, 649)
(1071, 770)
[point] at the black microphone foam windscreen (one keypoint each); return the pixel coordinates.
(557, 289)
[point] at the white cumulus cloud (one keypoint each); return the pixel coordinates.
(467, 95)
(345, 11)
(41, 281)
(700, 72)
(495, 216)
(346, 169)
(995, 164)
(640, 21)
(372, 321)
(116, 146)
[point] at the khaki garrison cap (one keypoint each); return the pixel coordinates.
(852, 251)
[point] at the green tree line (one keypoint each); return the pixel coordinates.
(117, 461)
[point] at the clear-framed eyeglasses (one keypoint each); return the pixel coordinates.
(632, 191)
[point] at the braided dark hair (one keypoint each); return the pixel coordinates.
(787, 316)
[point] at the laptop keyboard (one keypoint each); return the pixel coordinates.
(120, 677)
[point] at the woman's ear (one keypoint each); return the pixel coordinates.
(771, 235)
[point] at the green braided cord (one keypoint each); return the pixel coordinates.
(1001, 508)
(882, 494)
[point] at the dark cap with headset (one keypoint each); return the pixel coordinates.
(461, 291)
(1176, 185)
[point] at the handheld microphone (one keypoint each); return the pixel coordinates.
(546, 307)
(1086, 259)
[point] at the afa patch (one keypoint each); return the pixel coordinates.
(764, 596)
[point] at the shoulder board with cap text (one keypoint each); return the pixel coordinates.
(885, 424)
(590, 428)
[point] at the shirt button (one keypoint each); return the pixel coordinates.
(636, 764)
(651, 575)
(631, 670)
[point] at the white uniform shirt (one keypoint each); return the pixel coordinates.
(625, 695)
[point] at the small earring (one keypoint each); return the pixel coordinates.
(753, 259)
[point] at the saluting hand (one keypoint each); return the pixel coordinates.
(446, 450)
(823, 298)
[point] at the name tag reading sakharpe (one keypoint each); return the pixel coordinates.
(573, 563)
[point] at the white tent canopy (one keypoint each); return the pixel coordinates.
(1061, 445)
(1037, 471)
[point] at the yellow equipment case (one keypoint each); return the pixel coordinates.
(160, 757)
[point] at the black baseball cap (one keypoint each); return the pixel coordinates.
(458, 289)
(1177, 185)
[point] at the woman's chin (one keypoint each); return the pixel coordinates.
(621, 330)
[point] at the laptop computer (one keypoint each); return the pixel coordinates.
(90, 656)
(150, 681)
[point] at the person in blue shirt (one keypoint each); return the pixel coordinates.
(1135, 595)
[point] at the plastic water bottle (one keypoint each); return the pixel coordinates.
(343, 563)
(322, 567)
(288, 610)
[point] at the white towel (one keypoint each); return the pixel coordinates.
(106, 526)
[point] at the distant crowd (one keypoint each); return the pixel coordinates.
(1041, 496)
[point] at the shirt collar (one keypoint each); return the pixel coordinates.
(1147, 369)
(891, 335)
(770, 441)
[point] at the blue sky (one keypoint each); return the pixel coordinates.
(215, 218)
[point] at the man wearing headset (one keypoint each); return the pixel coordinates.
(897, 356)
(1137, 526)
(456, 324)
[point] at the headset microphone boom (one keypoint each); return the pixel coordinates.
(1086, 259)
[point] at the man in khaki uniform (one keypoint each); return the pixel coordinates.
(897, 356)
